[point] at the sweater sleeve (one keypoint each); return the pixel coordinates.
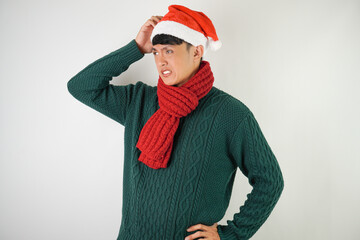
(257, 162)
(91, 85)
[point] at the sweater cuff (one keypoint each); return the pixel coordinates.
(128, 54)
(132, 51)
(226, 233)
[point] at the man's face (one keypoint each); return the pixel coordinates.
(175, 64)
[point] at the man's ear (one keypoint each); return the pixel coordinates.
(198, 52)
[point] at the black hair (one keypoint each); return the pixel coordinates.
(171, 40)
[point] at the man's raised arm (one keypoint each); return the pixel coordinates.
(91, 85)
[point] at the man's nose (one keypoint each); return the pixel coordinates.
(162, 61)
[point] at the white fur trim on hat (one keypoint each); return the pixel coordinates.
(185, 33)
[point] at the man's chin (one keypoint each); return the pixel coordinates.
(170, 83)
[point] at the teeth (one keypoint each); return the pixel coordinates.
(166, 72)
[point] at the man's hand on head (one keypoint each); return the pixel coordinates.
(143, 37)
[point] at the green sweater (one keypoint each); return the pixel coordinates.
(220, 135)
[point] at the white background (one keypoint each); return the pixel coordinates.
(295, 64)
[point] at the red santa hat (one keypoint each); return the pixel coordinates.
(191, 26)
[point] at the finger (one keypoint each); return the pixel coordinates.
(155, 20)
(196, 235)
(150, 22)
(197, 227)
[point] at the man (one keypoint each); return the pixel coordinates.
(184, 138)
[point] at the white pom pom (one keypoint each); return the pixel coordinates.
(214, 45)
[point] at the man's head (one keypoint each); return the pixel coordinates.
(176, 60)
(180, 40)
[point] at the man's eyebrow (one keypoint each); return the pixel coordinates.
(153, 49)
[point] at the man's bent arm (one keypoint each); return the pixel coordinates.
(257, 162)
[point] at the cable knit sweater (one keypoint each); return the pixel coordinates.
(215, 139)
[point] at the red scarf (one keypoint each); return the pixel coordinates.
(157, 136)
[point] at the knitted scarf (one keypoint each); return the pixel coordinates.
(156, 137)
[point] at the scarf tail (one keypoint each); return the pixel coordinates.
(155, 163)
(156, 137)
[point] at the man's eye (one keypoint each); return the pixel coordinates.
(154, 53)
(169, 51)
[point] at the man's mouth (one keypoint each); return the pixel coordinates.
(166, 73)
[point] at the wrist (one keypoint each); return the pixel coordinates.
(140, 48)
